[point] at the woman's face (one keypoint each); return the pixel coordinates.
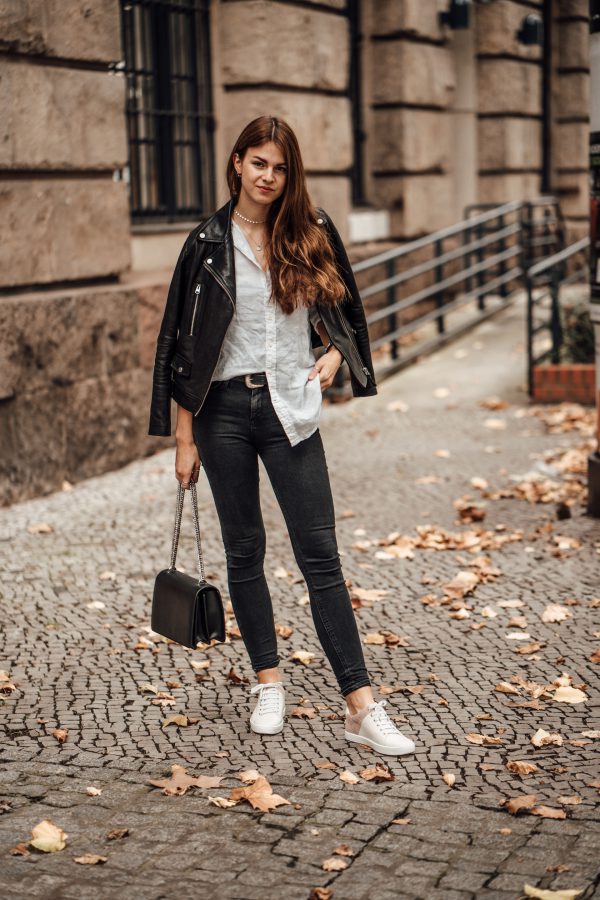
(264, 173)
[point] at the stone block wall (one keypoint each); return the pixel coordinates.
(282, 60)
(411, 78)
(510, 135)
(70, 383)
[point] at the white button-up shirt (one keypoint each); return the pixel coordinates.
(262, 338)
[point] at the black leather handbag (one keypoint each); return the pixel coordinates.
(187, 610)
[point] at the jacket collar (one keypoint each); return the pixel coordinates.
(218, 227)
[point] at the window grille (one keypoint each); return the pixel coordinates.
(170, 125)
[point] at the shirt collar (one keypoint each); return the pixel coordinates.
(243, 245)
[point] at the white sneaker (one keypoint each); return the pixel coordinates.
(267, 717)
(374, 727)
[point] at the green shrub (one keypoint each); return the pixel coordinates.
(578, 333)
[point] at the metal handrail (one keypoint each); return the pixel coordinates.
(559, 257)
(544, 295)
(441, 234)
(485, 263)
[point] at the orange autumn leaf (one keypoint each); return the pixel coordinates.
(259, 795)
(180, 782)
(515, 805)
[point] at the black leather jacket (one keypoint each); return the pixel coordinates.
(200, 305)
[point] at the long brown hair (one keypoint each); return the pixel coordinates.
(300, 258)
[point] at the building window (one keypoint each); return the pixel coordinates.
(169, 108)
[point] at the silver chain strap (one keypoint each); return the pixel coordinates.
(177, 528)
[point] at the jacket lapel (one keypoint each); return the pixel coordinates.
(217, 231)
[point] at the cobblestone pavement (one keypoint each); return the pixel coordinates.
(75, 607)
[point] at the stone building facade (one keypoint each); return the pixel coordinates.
(403, 121)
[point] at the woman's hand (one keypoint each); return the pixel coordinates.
(326, 366)
(187, 459)
(187, 462)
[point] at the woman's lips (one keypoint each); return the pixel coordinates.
(267, 190)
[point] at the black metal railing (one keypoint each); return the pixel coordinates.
(544, 281)
(168, 108)
(432, 289)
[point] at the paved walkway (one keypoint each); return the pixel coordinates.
(77, 571)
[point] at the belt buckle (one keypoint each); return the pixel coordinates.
(249, 383)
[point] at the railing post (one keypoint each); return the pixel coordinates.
(555, 324)
(439, 297)
(503, 265)
(391, 299)
(467, 257)
(480, 275)
(529, 288)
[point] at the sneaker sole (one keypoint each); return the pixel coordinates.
(267, 729)
(380, 748)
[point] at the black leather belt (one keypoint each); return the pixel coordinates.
(253, 380)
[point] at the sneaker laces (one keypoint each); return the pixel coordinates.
(268, 700)
(381, 719)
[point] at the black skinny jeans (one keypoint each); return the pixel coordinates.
(235, 425)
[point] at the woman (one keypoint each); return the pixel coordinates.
(256, 287)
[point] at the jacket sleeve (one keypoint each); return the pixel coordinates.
(352, 307)
(160, 407)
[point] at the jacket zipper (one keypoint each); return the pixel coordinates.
(220, 281)
(343, 321)
(197, 292)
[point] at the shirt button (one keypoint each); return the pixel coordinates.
(320, 221)
(209, 260)
(202, 234)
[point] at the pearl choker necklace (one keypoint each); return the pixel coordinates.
(252, 221)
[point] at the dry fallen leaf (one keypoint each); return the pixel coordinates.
(93, 791)
(556, 613)
(234, 678)
(462, 583)
(180, 782)
(541, 738)
(90, 859)
(334, 864)
(548, 812)
(60, 734)
(302, 656)
(514, 805)
(222, 802)
(570, 800)
(300, 712)
(568, 694)
(48, 837)
(377, 773)
(521, 768)
(260, 795)
(180, 720)
(541, 894)
(405, 821)
(344, 850)
(283, 631)
(349, 777)
(320, 893)
(40, 528)
(529, 648)
(475, 738)
(374, 637)
(115, 834)
(249, 775)
(449, 778)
